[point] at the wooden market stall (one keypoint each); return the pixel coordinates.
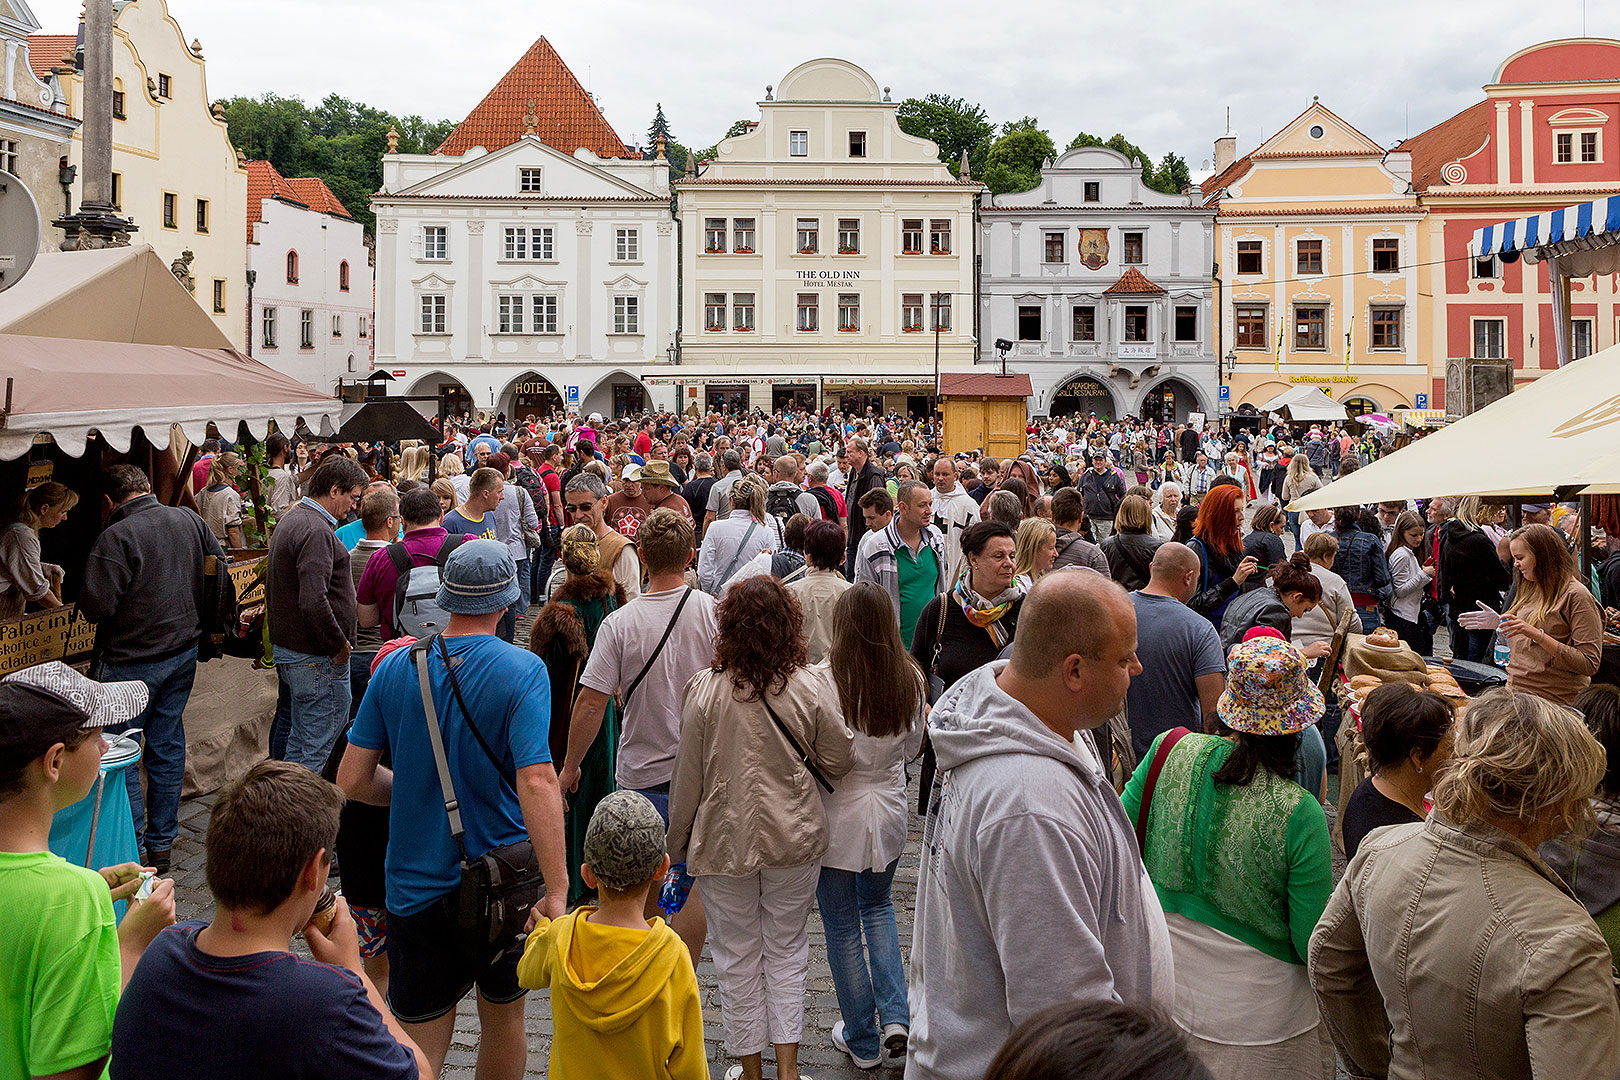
(986, 411)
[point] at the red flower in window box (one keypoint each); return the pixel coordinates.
(848, 249)
(742, 251)
(807, 251)
(849, 329)
(936, 249)
(714, 250)
(912, 328)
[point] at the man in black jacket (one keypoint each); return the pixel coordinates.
(1103, 491)
(143, 587)
(864, 475)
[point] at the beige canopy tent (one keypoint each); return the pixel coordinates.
(116, 294)
(1305, 404)
(1557, 436)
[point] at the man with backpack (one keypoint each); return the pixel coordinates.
(399, 588)
(786, 497)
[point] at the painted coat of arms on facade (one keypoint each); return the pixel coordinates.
(1093, 248)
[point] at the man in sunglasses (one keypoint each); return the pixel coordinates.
(584, 503)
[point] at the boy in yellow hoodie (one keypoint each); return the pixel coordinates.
(624, 998)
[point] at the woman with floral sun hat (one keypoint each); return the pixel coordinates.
(1240, 857)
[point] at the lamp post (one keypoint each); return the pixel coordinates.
(938, 296)
(1228, 368)
(252, 276)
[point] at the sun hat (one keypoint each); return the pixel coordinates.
(657, 472)
(101, 703)
(631, 473)
(625, 841)
(479, 578)
(389, 646)
(1267, 689)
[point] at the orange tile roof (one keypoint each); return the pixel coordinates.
(313, 193)
(1133, 281)
(1518, 192)
(1225, 178)
(1313, 211)
(567, 116)
(266, 182)
(1447, 141)
(985, 384)
(45, 51)
(1275, 154)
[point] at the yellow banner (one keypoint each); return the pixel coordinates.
(46, 635)
(1282, 324)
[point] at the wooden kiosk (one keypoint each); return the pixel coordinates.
(985, 410)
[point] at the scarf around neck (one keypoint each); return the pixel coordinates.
(986, 614)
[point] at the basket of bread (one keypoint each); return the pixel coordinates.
(1381, 657)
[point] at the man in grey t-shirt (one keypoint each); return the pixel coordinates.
(1183, 665)
(730, 463)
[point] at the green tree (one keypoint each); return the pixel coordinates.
(659, 126)
(955, 125)
(1170, 177)
(1023, 123)
(1082, 139)
(1014, 162)
(679, 154)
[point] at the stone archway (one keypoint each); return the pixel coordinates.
(530, 394)
(454, 397)
(1082, 394)
(1169, 401)
(617, 394)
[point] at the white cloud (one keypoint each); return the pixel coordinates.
(1162, 74)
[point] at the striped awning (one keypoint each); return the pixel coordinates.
(1509, 239)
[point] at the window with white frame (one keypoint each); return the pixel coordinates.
(522, 243)
(509, 311)
(1570, 147)
(364, 330)
(742, 311)
(267, 327)
(799, 143)
(911, 312)
(1589, 146)
(627, 245)
(435, 242)
(809, 236)
(1580, 338)
(531, 181)
(942, 310)
(849, 312)
(939, 236)
(1386, 255)
(1384, 321)
(849, 236)
(543, 313)
(1251, 326)
(911, 236)
(1029, 322)
(627, 314)
(1490, 338)
(809, 312)
(1310, 326)
(1488, 267)
(714, 311)
(742, 236)
(337, 326)
(306, 329)
(714, 235)
(9, 150)
(434, 314)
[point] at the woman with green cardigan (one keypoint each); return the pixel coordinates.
(1240, 857)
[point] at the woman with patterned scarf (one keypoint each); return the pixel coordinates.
(967, 627)
(563, 634)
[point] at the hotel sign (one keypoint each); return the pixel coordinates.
(827, 279)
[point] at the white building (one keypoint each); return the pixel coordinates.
(35, 129)
(1102, 286)
(528, 263)
(311, 280)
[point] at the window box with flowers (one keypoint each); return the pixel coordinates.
(849, 329)
(937, 248)
(714, 249)
(912, 328)
(808, 250)
(848, 249)
(742, 251)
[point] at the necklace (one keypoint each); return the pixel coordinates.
(1390, 789)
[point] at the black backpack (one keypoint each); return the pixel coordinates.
(416, 590)
(782, 504)
(829, 505)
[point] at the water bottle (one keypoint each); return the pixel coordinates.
(1499, 655)
(677, 886)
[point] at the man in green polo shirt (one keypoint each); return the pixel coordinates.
(917, 563)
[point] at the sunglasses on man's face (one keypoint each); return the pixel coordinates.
(581, 508)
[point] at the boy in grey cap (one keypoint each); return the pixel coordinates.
(624, 998)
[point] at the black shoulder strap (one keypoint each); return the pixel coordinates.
(399, 556)
(797, 749)
(624, 698)
(461, 702)
(451, 542)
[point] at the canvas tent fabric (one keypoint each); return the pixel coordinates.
(67, 388)
(1558, 434)
(1595, 225)
(1304, 404)
(122, 294)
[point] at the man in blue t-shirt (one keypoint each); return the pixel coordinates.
(228, 999)
(499, 760)
(476, 516)
(1183, 664)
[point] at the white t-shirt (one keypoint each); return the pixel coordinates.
(1261, 1000)
(650, 730)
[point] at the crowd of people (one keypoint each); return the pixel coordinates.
(564, 702)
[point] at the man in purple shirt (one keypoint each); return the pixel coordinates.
(424, 537)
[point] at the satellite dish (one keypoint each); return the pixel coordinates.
(19, 230)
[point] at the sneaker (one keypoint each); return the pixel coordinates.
(159, 861)
(895, 1039)
(860, 1062)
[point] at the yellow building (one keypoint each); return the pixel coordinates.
(1316, 240)
(821, 251)
(175, 172)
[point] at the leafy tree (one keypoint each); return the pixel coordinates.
(1170, 177)
(1023, 123)
(1014, 162)
(679, 154)
(1172, 174)
(954, 124)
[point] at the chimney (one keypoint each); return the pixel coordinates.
(1226, 147)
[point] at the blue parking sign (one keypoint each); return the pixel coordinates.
(1226, 393)
(1422, 400)
(573, 395)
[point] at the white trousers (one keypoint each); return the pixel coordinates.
(761, 950)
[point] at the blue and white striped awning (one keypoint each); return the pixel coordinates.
(1509, 239)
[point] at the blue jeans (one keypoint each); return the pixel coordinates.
(157, 810)
(1291, 519)
(871, 984)
(1371, 619)
(359, 678)
(319, 690)
(1472, 645)
(1311, 760)
(282, 724)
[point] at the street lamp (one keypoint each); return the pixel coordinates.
(252, 276)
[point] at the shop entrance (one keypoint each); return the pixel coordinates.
(862, 404)
(534, 396)
(793, 397)
(1359, 406)
(1082, 395)
(919, 406)
(629, 399)
(458, 402)
(721, 397)
(1169, 403)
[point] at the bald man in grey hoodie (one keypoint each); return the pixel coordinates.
(1031, 891)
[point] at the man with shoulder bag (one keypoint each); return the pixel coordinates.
(477, 822)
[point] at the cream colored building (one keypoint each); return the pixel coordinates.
(34, 125)
(175, 172)
(817, 250)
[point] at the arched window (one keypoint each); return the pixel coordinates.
(343, 275)
(292, 267)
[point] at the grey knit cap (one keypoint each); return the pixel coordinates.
(625, 842)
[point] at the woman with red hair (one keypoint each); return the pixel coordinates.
(1218, 541)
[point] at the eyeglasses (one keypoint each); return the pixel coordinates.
(581, 508)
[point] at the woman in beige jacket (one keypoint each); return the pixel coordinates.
(746, 816)
(1450, 948)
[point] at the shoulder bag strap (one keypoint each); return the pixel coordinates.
(452, 807)
(944, 599)
(455, 688)
(624, 698)
(1165, 745)
(820, 778)
(737, 555)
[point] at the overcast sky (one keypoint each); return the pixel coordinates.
(1161, 73)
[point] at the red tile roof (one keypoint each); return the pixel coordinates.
(313, 193)
(1225, 178)
(1519, 192)
(567, 117)
(1447, 141)
(1314, 211)
(36, 109)
(1274, 154)
(984, 384)
(308, 192)
(1133, 281)
(45, 51)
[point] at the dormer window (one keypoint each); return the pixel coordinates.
(1093, 191)
(529, 181)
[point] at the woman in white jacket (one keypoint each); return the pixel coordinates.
(731, 541)
(882, 693)
(1410, 578)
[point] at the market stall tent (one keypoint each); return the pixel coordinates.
(1304, 405)
(1556, 436)
(116, 294)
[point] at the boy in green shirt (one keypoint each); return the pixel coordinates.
(63, 960)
